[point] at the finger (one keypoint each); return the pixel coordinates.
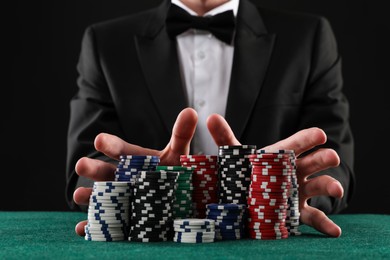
(322, 186)
(301, 141)
(183, 131)
(317, 161)
(318, 220)
(221, 131)
(94, 169)
(80, 228)
(113, 147)
(81, 195)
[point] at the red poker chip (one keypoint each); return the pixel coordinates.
(270, 180)
(264, 184)
(270, 159)
(268, 231)
(201, 197)
(270, 168)
(280, 208)
(268, 190)
(266, 197)
(267, 179)
(267, 202)
(205, 186)
(211, 171)
(266, 215)
(199, 156)
(269, 176)
(269, 155)
(271, 173)
(284, 165)
(264, 230)
(275, 195)
(256, 225)
(269, 220)
(267, 211)
(268, 236)
(258, 192)
(203, 177)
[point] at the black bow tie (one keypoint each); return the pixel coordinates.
(220, 25)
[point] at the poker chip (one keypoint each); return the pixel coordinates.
(152, 206)
(242, 192)
(194, 230)
(182, 204)
(108, 211)
(229, 220)
(270, 190)
(204, 181)
(234, 173)
(129, 166)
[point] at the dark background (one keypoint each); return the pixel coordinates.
(45, 39)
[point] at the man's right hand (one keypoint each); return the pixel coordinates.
(113, 147)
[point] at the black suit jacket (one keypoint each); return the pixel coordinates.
(286, 76)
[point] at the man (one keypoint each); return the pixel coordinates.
(278, 74)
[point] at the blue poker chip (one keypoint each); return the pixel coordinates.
(105, 218)
(224, 217)
(138, 162)
(99, 215)
(99, 206)
(138, 167)
(105, 194)
(114, 205)
(194, 222)
(140, 157)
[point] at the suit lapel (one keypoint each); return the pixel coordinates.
(158, 58)
(252, 52)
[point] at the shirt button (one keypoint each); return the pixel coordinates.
(201, 103)
(201, 55)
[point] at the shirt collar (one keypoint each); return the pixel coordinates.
(230, 5)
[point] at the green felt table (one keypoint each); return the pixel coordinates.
(50, 235)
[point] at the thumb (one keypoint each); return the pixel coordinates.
(182, 134)
(221, 131)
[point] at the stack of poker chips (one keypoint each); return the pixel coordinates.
(229, 220)
(153, 196)
(268, 195)
(108, 211)
(204, 181)
(182, 205)
(293, 214)
(193, 230)
(130, 165)
(234, 173)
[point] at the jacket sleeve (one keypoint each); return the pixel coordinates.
(326, 106)
(91, 112)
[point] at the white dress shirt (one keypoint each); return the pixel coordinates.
(206, 65)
